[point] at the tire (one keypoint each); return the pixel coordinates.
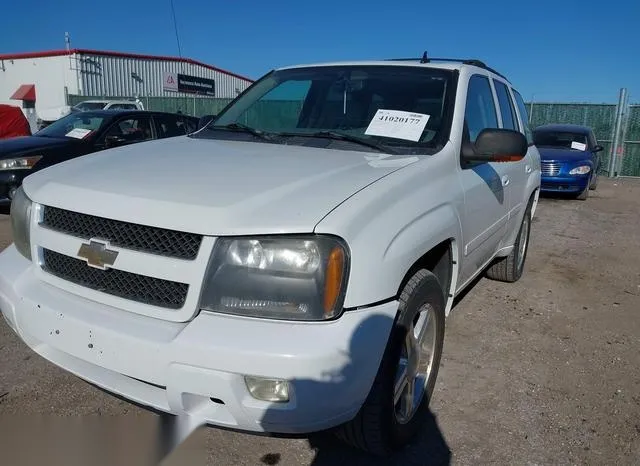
(584, 194)
(594, 184)
(378, 428)
(509, 269)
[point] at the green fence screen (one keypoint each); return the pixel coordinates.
(198, 106)
(600, 117)
(630, 163)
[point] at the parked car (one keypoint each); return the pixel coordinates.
(287, 268)
(49, 115)
(87, 105)
(13, 123)
(79, 134)
(570, 158)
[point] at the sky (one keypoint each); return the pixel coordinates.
(551, 50)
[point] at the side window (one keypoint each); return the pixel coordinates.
(190, 124)
(480, 112)
(509, 120)
(169, 126)
(133, 129)
(524, 116)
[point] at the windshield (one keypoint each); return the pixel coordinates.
(396, 106)
(74, 125)
(84, 106)
(560, 139)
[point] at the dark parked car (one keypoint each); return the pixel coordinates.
(569, 157)
(79, 134)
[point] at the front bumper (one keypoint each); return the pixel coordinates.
(198, 367)
(565, 184)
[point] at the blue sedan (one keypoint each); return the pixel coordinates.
(570, 159)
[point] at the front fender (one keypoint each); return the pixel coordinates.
(393, 224)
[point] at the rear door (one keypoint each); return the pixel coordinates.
(529, 168)
(517, 172)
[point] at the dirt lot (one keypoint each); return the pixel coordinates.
(545, 371)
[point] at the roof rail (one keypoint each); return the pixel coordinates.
(464, 61)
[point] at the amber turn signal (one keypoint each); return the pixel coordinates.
(333, 281)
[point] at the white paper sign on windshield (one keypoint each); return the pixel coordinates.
(578, 145)
(397, 124)
(78, 133)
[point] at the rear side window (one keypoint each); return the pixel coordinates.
(480, 112)
(506, 106)
(524, 116)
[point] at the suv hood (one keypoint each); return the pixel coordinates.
(211, 187)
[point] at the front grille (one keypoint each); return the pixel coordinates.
(133, 236)
(549, 168)
(140, 288)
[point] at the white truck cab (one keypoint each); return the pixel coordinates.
(287, 268)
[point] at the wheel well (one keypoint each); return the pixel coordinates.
(439, 261)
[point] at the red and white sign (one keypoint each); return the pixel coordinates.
(170, 81)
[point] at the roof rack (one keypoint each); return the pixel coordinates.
(464, 61)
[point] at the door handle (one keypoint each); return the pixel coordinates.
(505, 180)
(527, 168)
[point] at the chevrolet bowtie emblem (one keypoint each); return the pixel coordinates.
(97, 254)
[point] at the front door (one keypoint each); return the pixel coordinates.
(487, 185)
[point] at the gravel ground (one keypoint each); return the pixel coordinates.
(544, 371)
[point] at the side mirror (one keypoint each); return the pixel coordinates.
(205, 120)
(496, 145)
(114, 141)
(597, 149)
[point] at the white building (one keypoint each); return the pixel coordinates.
(42, 80)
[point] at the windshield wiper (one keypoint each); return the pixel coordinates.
(342, 137)
(242, 128)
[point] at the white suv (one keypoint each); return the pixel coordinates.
(288, 268)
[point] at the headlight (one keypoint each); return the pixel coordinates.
(24, 163)
(292, 277)
(21, 222)
(581, 170)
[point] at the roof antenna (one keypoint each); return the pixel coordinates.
(425, 59)
(67, 41)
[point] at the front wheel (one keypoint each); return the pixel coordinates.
(584, 194)
(398, 403)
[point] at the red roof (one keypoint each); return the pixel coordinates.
(25, 92)
(57, 53)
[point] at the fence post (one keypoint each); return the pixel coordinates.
(616, 135)
(623, 134)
